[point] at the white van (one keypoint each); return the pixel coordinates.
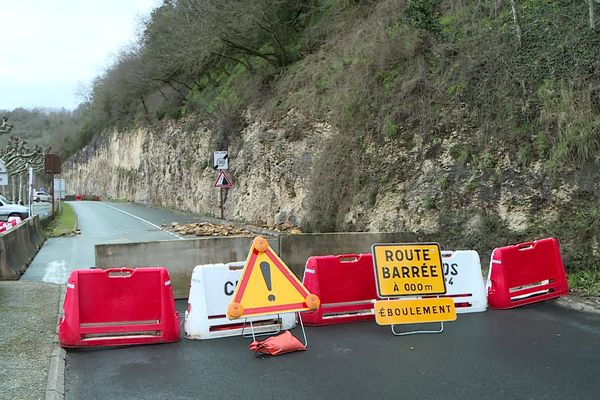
(41, 195)
(9, 209)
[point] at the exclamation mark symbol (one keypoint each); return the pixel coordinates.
(265, 268)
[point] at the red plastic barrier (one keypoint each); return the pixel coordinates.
(78, 197)
(119, 306)
(4, 226)
(526, 273)
(346, 286)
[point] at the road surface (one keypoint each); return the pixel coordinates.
(540, 351)
(536, 352)
(100, 222)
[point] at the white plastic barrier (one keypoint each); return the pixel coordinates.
(211, 292)
(14, 221)
(464, 280)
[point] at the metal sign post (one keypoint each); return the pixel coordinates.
(59, 191)
(30, 191)
(223, 181)
(52, 165)
(221, 201)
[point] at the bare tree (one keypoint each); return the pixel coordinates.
(591, 12)
(513, 5)
(5, 127)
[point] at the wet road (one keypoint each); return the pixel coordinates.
(100, 222)
(535, 352)
(539, 351)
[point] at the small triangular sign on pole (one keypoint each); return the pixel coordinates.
(223, 180)
(267, 286)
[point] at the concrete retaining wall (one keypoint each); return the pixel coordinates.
(296, 249)
(18, 246)
(181, 256)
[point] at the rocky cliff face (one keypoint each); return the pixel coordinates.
(424, 187)
(170, 165)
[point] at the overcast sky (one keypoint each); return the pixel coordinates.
(49, 47)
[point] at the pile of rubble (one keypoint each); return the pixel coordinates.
(286, 227)
(208, 229)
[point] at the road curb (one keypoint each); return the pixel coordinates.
(578, 304)
(55, 385)
(76, 229)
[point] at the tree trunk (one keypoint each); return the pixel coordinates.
(20, 189)
(513, 5)
(591, 11)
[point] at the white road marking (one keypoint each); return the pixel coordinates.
(143, 220)
(56, 272)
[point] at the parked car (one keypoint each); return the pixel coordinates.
(41, 195)
(9, 209)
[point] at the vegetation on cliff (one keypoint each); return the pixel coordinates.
(517, 82)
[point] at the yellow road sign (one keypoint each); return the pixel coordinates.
(408, 269)
(395, 312)
(267, 286)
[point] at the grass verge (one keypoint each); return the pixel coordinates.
(585, 282)
(65, 222)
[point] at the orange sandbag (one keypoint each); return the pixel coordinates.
(275, 345)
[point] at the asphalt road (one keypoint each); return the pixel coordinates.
(535, 352)
(539, 351)
(100, 222)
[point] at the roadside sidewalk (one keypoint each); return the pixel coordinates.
(28, 318)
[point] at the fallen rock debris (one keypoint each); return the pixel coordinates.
(209, 229)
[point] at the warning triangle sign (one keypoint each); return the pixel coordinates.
(223, 180)
(267, 286)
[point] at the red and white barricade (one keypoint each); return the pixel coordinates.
(346, 286)
(11, 223)
(526, 273)
(118, 306)
(464, 280)
(211, 292)
(14, 221)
